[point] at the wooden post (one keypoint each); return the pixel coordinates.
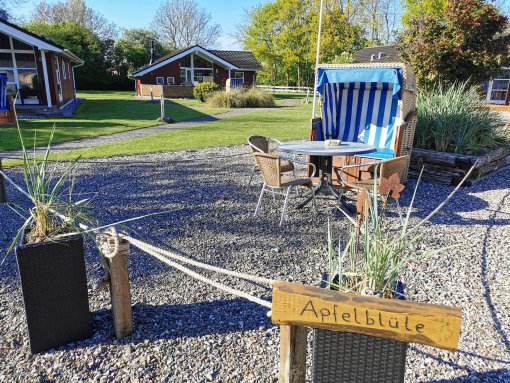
(120, 292)
(162, 103)
(307, 95)
(292, 354)
(152, 94)
(3, 191)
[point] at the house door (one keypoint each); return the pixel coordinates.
(497, 91)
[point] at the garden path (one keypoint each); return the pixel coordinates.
(143, 132)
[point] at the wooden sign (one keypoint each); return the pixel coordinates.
(304, 305)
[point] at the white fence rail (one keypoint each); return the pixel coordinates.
(300, 89)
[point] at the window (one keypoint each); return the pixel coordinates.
(199, 62)
(239, 75)
(64, 73)
(59, 82)
(160, 80)
(6, 60)
(21, 45)
(170, 80)
(183, 75)
(203, 75)
(25, 60)
(68, 71)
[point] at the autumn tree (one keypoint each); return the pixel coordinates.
(463, 43)
(182, 23)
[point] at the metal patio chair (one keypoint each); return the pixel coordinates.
(275, 183)
(262, 144)
(363, 176)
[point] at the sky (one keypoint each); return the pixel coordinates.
(127, 14)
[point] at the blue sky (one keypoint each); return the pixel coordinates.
(139, 14)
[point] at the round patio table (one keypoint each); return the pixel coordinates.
(325, 159)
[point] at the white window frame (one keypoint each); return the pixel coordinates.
(15, 66)
(160, 80)
(68, 71)
(236, 73)
(59, 81)
(172, 82)
(488, 98)
(64, 73)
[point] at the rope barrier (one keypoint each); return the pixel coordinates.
(145, 246)
(161, 254)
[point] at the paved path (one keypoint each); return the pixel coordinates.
(142, 132)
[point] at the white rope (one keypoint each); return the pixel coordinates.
(106, 247)
(200, 277)
(145, 246)
(161, 255)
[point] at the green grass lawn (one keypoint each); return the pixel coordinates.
(283, 123)
(103, 112)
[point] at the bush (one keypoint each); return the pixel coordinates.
(241, 98)
(453, 119)
(202, 90)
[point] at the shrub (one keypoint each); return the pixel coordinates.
(202, 90)
(452, 119)
(241, 98)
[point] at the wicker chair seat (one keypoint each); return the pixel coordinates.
(286, 166)
(292, 181)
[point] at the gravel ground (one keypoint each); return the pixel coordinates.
(187, 332)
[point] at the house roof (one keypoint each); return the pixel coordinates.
(241, 59)
(41, 42)
(384, 53)
(229, 59)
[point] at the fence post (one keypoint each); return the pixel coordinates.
(3, 191)
(292, 354)
(307, 95)
(162, 101)
(120, 292)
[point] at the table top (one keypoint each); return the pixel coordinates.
(318, 148)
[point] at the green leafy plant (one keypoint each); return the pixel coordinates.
(53, 212)
(241, 98)
(204, 89)
(452, 119)
(376, 253)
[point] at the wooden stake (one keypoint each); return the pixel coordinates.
(292, 354)
(120, 292)
(3, 191)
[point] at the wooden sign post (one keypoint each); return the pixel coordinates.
(3, 191)
(308, 306)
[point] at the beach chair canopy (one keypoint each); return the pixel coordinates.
(4, 103)
(363, 104)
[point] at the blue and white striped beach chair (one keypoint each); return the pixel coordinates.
(370, 103)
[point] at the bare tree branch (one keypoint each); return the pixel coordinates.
(182, 23)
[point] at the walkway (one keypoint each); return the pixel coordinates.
(142, 132)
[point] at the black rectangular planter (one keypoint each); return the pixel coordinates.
(356, 358)
(54, 286)
(348, 358)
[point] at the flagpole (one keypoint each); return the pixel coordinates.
(317, 61)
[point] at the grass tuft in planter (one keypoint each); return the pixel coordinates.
(241, 98)
(453, 119)
(371, 263)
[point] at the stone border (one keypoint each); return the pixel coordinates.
(450, 168)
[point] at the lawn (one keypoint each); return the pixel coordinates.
(103, 112)
(283, 123)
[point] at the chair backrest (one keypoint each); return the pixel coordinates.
(270, 167)
(259, 144)
(366, 112)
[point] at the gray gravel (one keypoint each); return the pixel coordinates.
(188, 332)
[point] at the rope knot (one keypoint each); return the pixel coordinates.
(109, 242)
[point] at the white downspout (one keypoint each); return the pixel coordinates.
(46, 79)
(74, 81)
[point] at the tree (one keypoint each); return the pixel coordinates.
(78, 12)
(182, 23)
(86, 45)
(283, 35)
(421, 9)
(6, 6)
(464, 43)
(133, 49)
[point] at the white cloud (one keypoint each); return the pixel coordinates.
(226, 42)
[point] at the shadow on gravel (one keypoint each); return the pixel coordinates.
(488, 376)
(176, 321)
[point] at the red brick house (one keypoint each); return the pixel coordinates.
(39, 71)
(192, 65)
